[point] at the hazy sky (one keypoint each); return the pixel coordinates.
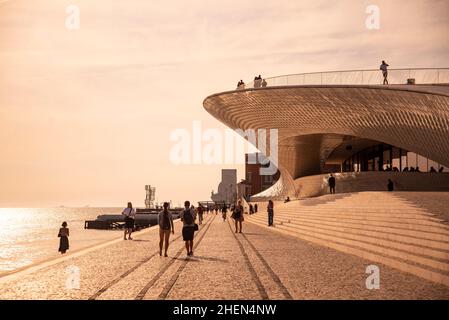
(86, 115)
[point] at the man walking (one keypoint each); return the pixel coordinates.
(270, 210)
(331, 183)
(200, 214)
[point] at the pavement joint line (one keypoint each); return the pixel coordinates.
(126, 273)
(163, 295)
(263, 293)
(163, 269)
(273, 275)
(43, 264)
(431, 273)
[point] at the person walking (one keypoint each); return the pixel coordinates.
(331, 183)
(237, 215)
(188, 230)
(130, 216)
(165, 221)
(224, 212)
(270, 210)
(63, 238)
(200, 214)
(251, 209)
(390, 185)
(255, 208)
(384, 69)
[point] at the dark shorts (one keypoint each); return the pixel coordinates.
(187, 233)
(129, 223)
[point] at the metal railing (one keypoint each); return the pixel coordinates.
(358, 77)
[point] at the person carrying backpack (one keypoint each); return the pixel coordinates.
(237, 215)
(165, 221)
(188, 230)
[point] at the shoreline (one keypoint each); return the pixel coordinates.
(37, 265)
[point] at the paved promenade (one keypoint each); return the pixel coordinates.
(258, 264)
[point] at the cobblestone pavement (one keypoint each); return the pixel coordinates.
(257, 264)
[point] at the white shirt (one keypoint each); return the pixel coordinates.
(129, 212)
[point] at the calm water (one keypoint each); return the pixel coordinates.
(29, 235)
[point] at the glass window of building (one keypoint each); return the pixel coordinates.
(411, 159)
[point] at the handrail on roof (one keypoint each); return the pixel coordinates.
(358, 77)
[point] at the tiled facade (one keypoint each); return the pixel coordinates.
(312, 121)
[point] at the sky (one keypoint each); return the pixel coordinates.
(86, 114)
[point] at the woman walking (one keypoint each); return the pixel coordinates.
(237, 215)
(165, 221)
(63, 238)
(270, 210)
(130, 216)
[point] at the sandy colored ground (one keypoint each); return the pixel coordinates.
(258, 264)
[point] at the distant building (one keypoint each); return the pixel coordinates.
(254, 182)
(227, 189)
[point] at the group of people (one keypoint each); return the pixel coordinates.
(188, 217)
(253, 209)
(416, 169)
(258, 83)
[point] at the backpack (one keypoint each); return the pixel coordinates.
(188, 217)
(165, 221)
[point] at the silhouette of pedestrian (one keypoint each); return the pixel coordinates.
(63, 238)
(384, 69)
(130, 215)
(270, 210)
(188, 217)
(390, 185)
(331, 183)
(237, 215)
(165, 221)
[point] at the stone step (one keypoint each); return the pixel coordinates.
(432, 223)
(435, 229)
(377, 239)
(400, 216)
(384, 257)
(348, 209)
(349, 206)
(380, 233)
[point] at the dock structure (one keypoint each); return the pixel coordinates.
(144, 218)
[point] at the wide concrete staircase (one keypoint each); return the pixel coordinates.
(383, 227)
